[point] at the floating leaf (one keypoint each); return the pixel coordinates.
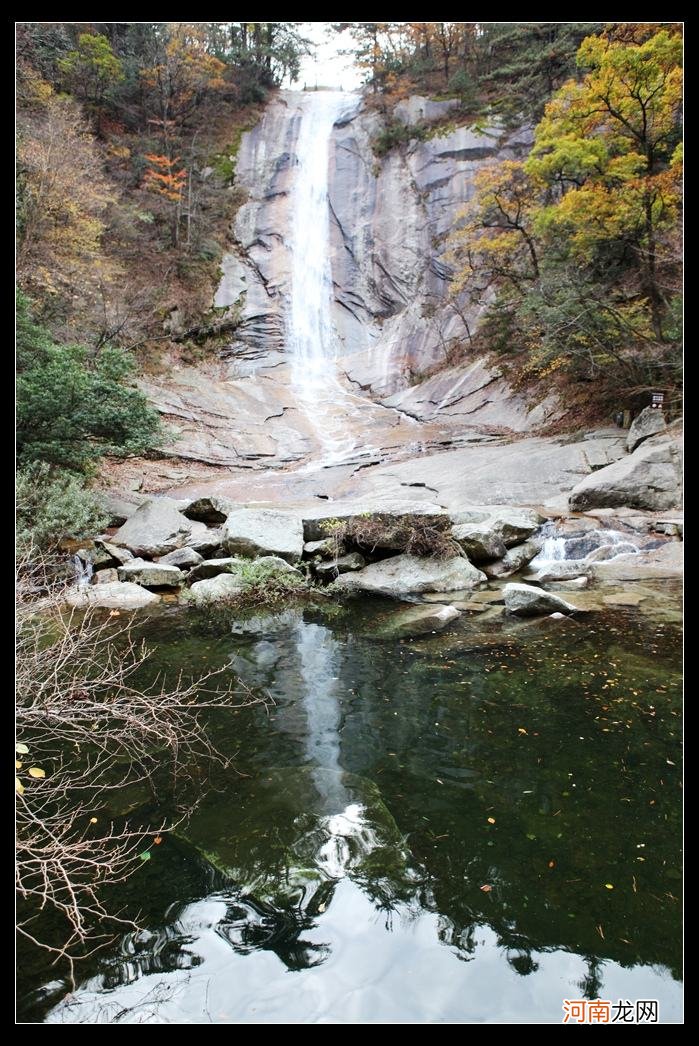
(521, 730)
(158, 840)
(36, 771)
(321, 907)
(114, 613)
(19, 787)
(145, 856)
(531, 836)
(93, 820)
(22, 749)
(18, 765)
(552, 864)
(609, 886)
(486, 889)
(491, 820)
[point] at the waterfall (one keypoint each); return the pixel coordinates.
(312, 340)
(582, 547)
(553, 546)
(83, 571)
(311, 333)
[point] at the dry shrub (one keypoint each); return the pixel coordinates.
(85, 732)
(415, 534)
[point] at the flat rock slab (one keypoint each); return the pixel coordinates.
(416, 621)
(117, 594)
(151, 575)
(259, 532)
(528, 601)
(404, 574)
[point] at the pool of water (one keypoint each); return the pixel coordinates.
(470, 826)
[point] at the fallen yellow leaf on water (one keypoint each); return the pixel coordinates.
(18, 765)
(22, 749)
(93, 820)
(521, 730)
(36, 771)
(609, 886)
(491, 820)
(19, 787)
(486, 888)
(114, 613)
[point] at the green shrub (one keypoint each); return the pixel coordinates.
(73, 405)
(52, 505)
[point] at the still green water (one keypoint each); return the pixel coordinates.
(427, 830)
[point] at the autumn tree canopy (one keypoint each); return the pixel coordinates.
(576, 248)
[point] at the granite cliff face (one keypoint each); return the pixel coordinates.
(395, 324)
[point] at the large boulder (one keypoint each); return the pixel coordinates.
(528, 601)
(648, 423)
(211, 510)
(117, 594)
(650, 478)
(117, 507)
(480, 542)
(404, 574)
(151, 575)
(256, 532)
(216, 589)
(156, 528)
(416, 621)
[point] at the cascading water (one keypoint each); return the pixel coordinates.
(312, 340)
(83, 572)
(584, 547)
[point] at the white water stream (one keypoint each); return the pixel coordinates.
(312, 339)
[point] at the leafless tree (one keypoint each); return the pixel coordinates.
(85, 731)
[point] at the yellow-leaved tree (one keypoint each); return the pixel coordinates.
(578, 245)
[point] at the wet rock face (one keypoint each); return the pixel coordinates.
(390, 277)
